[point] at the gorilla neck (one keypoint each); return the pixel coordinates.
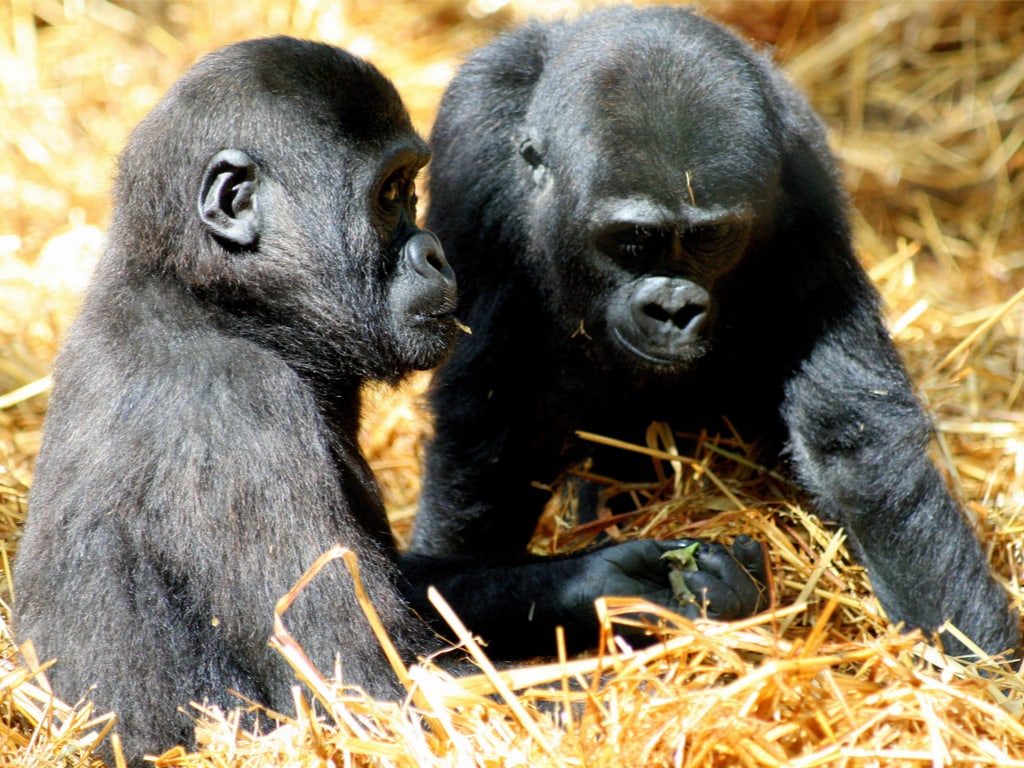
(171, 316)
(341, 414)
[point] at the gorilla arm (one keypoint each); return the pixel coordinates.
(857, 440)
(857, 433)
(516, 601)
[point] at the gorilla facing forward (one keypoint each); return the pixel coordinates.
(647, 224)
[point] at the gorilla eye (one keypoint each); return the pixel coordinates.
(634, 241)
(398, 190)
(391, 192)
(709, 237)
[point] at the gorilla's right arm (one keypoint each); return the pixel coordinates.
(514, 602)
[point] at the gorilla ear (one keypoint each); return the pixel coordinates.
(528, 150)
(227, 198)
(530, 153)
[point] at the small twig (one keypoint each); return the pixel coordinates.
(21, 394)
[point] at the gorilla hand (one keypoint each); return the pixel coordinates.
(728, 583)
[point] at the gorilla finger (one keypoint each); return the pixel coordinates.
(714, 596)
(718, 561)
(750, 553)
(692, 610)
(716, 558)
(669, 545)
(666, 598)
(639, 559)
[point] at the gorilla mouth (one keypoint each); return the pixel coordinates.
(439, 315)
(440, 310)
(653, 359)
(442, 316)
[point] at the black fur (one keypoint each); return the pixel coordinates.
(200, 449)
(647, 225)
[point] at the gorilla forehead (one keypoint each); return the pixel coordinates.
(633, 104)
(244, 95)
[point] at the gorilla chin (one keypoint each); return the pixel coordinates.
(426, 340)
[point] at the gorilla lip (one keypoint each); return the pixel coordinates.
(653, 359)
(444, 315)
(441, 322)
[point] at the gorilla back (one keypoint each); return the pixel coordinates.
(643, 209)
(199, 451)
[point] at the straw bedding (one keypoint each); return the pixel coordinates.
(926, 106)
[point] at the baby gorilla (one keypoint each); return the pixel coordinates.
(200, 452)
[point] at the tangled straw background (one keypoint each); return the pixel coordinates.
(925, 103)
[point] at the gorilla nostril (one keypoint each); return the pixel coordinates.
(657, 312)
(425, 255)
(436, 261)
(687, 315)
(680, 318)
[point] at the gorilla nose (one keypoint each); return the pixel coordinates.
(680, 318)
(669, 308)
(425, 254)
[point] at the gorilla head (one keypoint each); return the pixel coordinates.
(637, 212)
(312, 249)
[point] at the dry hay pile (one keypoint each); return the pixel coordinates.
(926, 106)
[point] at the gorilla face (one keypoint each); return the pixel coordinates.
(636, 212)
(643, 244)
(341, 277)
(663, 268)
(421, 292)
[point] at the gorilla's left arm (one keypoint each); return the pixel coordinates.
(857, 439)
(857, 435)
